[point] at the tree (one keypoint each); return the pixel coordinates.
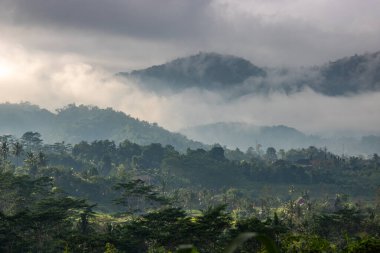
(271, 154)
(106, 165)
(210, 227)
(151, 156)
(41, 159)
(32, 139)
(32, 162)
(375, 159)
(4, 150)
(282, 154)
(85, 215)
(217, 153)
(17, 151)
(136, 196)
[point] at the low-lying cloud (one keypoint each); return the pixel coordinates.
(53, 82)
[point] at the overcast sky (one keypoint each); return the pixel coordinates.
(127, 34)
(54, 52)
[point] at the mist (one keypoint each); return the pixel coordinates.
(53, 82)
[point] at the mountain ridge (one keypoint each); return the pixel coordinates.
(204, 70)
(244, 135)
(212, 71)
(73, 124)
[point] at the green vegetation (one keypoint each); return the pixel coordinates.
(104, 196)
(73, 124)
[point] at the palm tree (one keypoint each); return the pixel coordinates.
(42, 159)
(17, 151)
(4, 150)
(32, 162)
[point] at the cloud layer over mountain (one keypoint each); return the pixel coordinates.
(56, 81)
(236, 76)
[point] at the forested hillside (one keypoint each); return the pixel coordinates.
(350, 75)
(203, 70)
(74, 123)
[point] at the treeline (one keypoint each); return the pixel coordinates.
(216, 169)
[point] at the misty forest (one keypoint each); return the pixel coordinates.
(189, 126)
(118, 184)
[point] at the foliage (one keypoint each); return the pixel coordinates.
(102, 196)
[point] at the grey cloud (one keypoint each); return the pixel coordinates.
(140, 18)
(144, 32)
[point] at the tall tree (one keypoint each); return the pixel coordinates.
(4, 150)
(271, 154)
(17, 151)
(32, 162)
(136, 196)
(32, 139)
(41, 159)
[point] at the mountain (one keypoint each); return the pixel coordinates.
(243, 135)
(212, 71)
(350, 75)
(204, 70)
(73, 124)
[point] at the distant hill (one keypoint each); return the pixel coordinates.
(212, 71)
(73, 124)
(350, 75)
(204, 70)
(243, 135)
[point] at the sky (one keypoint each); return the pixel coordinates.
(55, 52)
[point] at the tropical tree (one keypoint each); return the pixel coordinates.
(4, 150)
(136, 196)
(32, 139)
(271, 154)
(32, 162)
(17, 151)
(41, 159)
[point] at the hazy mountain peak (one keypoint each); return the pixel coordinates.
(354, 74)
(346, 76)
(207, 70)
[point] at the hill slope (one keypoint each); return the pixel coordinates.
(350, 75)
(204, 70)
(76, 123)
(243, 135)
